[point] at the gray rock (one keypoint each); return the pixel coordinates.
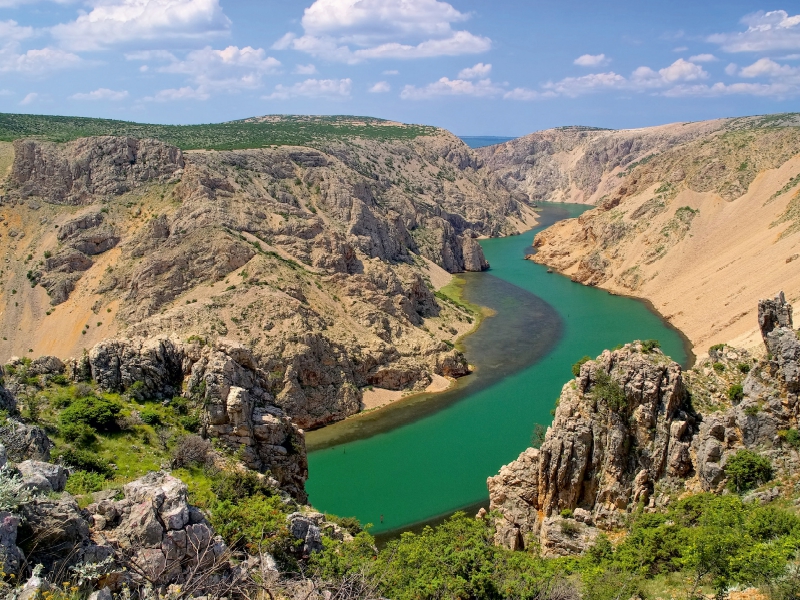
(11, 557)
(305, 527)
(24, 442)
(54, 531)
(43, 476)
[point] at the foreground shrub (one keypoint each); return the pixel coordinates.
(649, 345)
(746, 470)
(99, 413)
(256, 524)
(235, 486)
(609, 391)
(150, 416)
(84, 482)
(84, 460)
(80, 434)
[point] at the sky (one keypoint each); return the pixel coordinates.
(500, 67)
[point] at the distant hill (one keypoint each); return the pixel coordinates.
(255, 132)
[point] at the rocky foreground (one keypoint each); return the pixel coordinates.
(634, 430)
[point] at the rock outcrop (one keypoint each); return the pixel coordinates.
(631, 427)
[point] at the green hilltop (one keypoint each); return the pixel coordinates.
(257, 132)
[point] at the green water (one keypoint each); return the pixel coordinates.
(430, 455)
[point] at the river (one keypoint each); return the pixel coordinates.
(429, 455)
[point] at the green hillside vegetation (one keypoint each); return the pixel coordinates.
(282, 130)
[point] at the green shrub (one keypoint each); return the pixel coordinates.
(150, 416)
(792, 437)
(609, 391)
(179, 405)
(137, 391)
(235, 486)
(736, 393)
(349, 524)
(539, 433)
(569, 527)
(752, 410)
(85, 460)
(256, 524)
(746, 470)
(191, 423)
(716, 348)
(99, 413)
(566, 514)
(718, 367)
(84, 482)
(576, 368)
(649, 345)
(743, 368)
(81, 434)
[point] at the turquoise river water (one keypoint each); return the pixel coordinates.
(429, 455)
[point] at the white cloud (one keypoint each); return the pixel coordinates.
(680, 49)
(526, 94)
(151, 55)
(776, 90)
(380, 88)
(391, 72)
(36, 61)
(314, 88)
(732, 69)
(112, 22)
(229, 69)
(766, 67)
(11, 31)
(356, 30)
(766, 31)
(174, 94)
(305, 70)
(452, 87)
(29, 99)
(16, 3)
(701, 58)
(479, 71)
(592, 60)
(101, 94)
(578, 86)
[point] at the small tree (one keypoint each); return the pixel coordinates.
(746, 470)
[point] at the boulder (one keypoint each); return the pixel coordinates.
(43, 477)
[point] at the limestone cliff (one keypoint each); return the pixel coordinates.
(632, 428)
(316, 259)
(698, 218)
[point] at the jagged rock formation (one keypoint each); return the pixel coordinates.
(681, 209)
(632, 427)
(314, 258)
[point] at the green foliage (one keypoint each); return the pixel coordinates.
(791, 437)
(99, 413)
(251, 133)
(752, 410)
(85, 482)
(649, 345)
(736, 393)
(84, 460)
(743, 368)
(191, 423)
(746, 470)
(716, 348)
(718, 367)
(539, 433)
(349, 524)
(576, 368)
(150, 416)
(257, 524)
(566, 514)
(81, 434)
(608, 391)
(235, 486)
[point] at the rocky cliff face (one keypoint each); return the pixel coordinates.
(687, 214)
(633, 428)
(317, 260)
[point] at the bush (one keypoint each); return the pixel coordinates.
(349, 524)
(150, 416)
(791, 437)
(736, 393)
(179, 405)
(719, 367)
(566, 514)
(84, 482)
(82, 390)
(649, 345)
(190, 451)
(81, 434)
(743, 368)
(235, 486)
(257, 524)
(746, 470)
(569, 527)
(752, 410)
(96, 412)
(539, 433)
(85, 460)
(609, 391)
(137, 391)
(576, 368)
(191, 423)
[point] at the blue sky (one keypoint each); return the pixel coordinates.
(475, 67)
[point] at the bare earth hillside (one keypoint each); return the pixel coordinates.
(699, 218)
(319, 261)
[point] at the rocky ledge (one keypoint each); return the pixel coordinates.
(633, 427)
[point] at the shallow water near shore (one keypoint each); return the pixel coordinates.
(428, 455)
